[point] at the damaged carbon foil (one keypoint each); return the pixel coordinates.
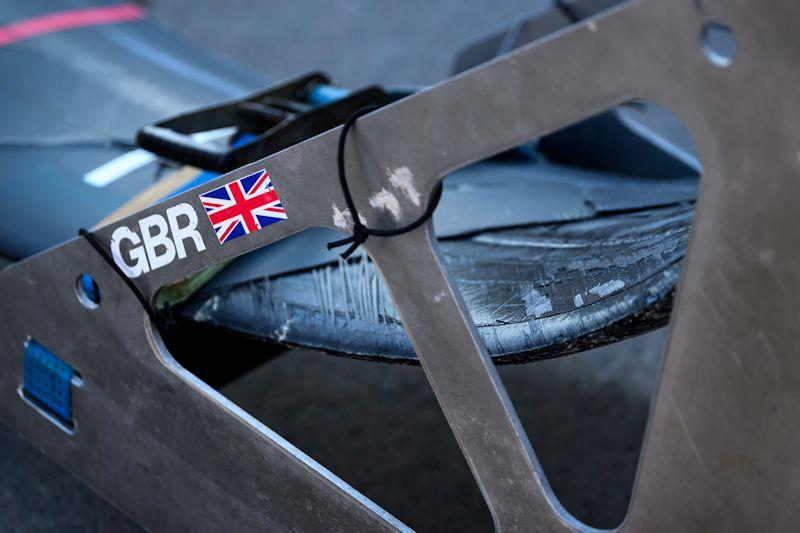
(534, 292)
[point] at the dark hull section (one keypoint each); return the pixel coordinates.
(72, 100)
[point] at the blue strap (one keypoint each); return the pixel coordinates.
(324, 94)
(90, 288)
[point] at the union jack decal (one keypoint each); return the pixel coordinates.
(243, 206)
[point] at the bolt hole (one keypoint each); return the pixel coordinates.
(719, 44)
(88, 291)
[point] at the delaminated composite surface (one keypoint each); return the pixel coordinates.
(534, 292)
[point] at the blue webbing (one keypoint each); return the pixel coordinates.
(324, 94)
(90, 288)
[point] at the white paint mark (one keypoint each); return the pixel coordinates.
(284, 330)
(402, 178)
(343, 219)
(123, 165)
(351, 291)
(527, 242)
(578, 300)
(536, 303)
(111, 171)
(439, 296)
(384, 199)
(604, 289)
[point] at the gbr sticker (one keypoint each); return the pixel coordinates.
(235, 209)
(158, 241)
(243, 206)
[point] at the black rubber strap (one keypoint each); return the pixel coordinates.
(360, 231)
(161, 322)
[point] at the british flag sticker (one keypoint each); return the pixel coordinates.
(243, 206)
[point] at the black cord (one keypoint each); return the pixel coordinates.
(360, 231)
(161, 322)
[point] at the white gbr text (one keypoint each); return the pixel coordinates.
(159, 240)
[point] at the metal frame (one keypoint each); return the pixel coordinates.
(722, 448)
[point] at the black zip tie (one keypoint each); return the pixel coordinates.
(360, 231)
(160, 321)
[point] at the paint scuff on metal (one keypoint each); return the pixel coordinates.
(386, 200)
(608, 287)
(402, 178)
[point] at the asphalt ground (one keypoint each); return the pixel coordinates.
(376, 425)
